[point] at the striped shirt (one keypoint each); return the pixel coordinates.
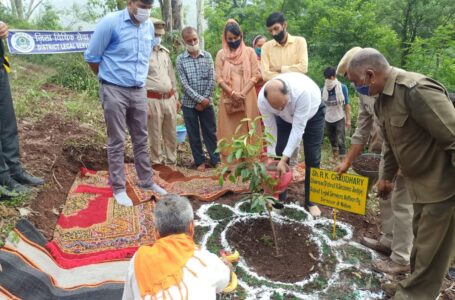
(197, 77)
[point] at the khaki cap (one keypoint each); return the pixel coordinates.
(159, 25)
(344, 62)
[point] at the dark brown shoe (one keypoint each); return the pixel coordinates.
(376, 245)
(390, 267)
(389, 288)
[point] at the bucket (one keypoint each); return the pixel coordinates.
(283, 182)
(181, 134)
(367, 165)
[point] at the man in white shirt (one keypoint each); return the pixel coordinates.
(292, 109)
(156, 272)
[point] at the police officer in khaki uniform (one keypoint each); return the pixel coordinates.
(418, 124)
(396, 211)
(163, 102)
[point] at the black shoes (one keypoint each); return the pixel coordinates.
(12, 188)
(17, 184)
(27, 179)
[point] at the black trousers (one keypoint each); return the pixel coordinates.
(312, 144)
(336, 132)
(9, 139)
(195, 122)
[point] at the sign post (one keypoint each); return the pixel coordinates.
(47, 42)
(346, 192)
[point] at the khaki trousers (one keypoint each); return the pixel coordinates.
(162, 130)
(433, 250)
(396, 220)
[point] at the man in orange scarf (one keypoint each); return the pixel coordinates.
(174, 267)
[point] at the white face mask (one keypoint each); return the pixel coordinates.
(142, 14)
(192, 48)
(157, 41)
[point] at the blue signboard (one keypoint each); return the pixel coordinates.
(47, 42)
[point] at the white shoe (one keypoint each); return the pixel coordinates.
(123, 199)
(154, 188)
(314, 211)
(159, 190)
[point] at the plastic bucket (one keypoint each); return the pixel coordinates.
(181, 134)
(284, 181)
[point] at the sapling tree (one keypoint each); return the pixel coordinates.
(246, 162)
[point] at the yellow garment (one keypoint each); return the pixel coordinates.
(160, 266)
(292, 57)
(7, 65)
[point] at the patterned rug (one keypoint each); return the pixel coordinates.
(29, 272)
(93, 228)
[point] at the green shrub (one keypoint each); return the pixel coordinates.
(74, 73)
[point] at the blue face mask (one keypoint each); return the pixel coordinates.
(258, 51)
(363, 90)
(235, 44)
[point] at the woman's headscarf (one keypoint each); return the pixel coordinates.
(236, 57)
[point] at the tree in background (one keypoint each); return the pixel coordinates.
(22, 9)
(413, 34)
(416, 19)
(172, 14)
(47, 18)
(435, 56)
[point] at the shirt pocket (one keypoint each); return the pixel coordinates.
(398, 120)
(399, 128)
(205, 70)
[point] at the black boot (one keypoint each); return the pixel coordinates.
(25, 178)
(11, 188)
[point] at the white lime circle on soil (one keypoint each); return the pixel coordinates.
(268, 287)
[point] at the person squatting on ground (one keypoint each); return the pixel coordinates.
(174, 267)
(14, 180)
(237, 72)
(119, 53)
(163, 102)
(418, 125)
(396, 211)
(196, 74)
(337, 115)
(292, 109)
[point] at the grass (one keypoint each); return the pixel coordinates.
(218, 212)
(360, 279)
(199, 232)
(353, 255)
(293, 214)
(328, 230)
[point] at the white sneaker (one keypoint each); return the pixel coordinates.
(123, 199)
(154, 188)
(159, 190)
(314, 211)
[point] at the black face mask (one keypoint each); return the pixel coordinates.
(280, 36)
(235, 44)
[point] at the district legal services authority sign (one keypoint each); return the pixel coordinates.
(346, 192)
(47, 42)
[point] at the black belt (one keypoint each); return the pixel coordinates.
(102, 81)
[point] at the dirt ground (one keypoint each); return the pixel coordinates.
(56, 149)
(254, 238)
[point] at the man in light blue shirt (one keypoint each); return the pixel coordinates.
(118, 53)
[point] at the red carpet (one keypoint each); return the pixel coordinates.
(93, 228)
